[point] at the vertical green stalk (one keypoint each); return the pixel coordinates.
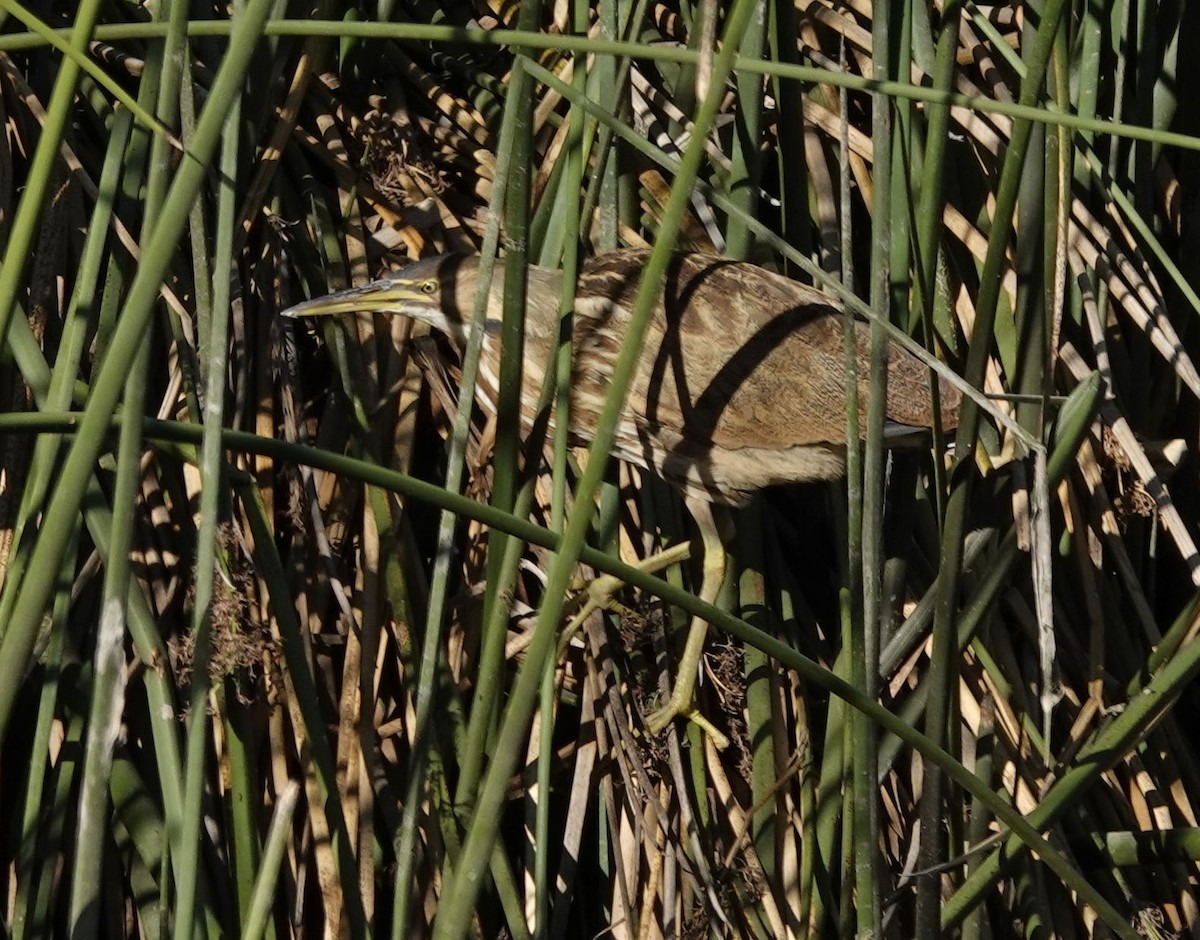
(485, 712)
(605, 185)
(243, 796)
(572, 184)
(108, 679)
(37, 837)
(489, 675)
(789, 96)
(1028, 366)
(746, 175)
(45, 162)
(864, 661)
(858, 849)
(563, 377)
(937, 138)
(109, 676)
(505, 461)
(211, 488)
(255, 924)
(929, 906)
(609, 191)
(65, 780)
(906, 161)
(928, 240)
(541, 823)
(767, 825)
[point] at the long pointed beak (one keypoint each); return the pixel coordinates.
(377, 297)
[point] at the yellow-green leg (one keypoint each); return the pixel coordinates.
(681, 702)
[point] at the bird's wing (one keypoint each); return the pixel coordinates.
(740, 357)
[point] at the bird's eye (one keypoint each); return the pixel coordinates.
(428, 287)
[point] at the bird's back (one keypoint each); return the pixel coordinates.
(741, 383)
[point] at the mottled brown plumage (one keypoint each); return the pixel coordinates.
(740, 385)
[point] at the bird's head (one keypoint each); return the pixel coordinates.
(439, 291)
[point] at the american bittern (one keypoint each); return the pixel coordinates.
(741, 382)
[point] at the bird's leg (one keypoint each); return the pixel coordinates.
(711, 521)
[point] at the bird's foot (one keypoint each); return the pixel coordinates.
(596, 594)
(601, 590)
(680, 706)
(602, 595)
